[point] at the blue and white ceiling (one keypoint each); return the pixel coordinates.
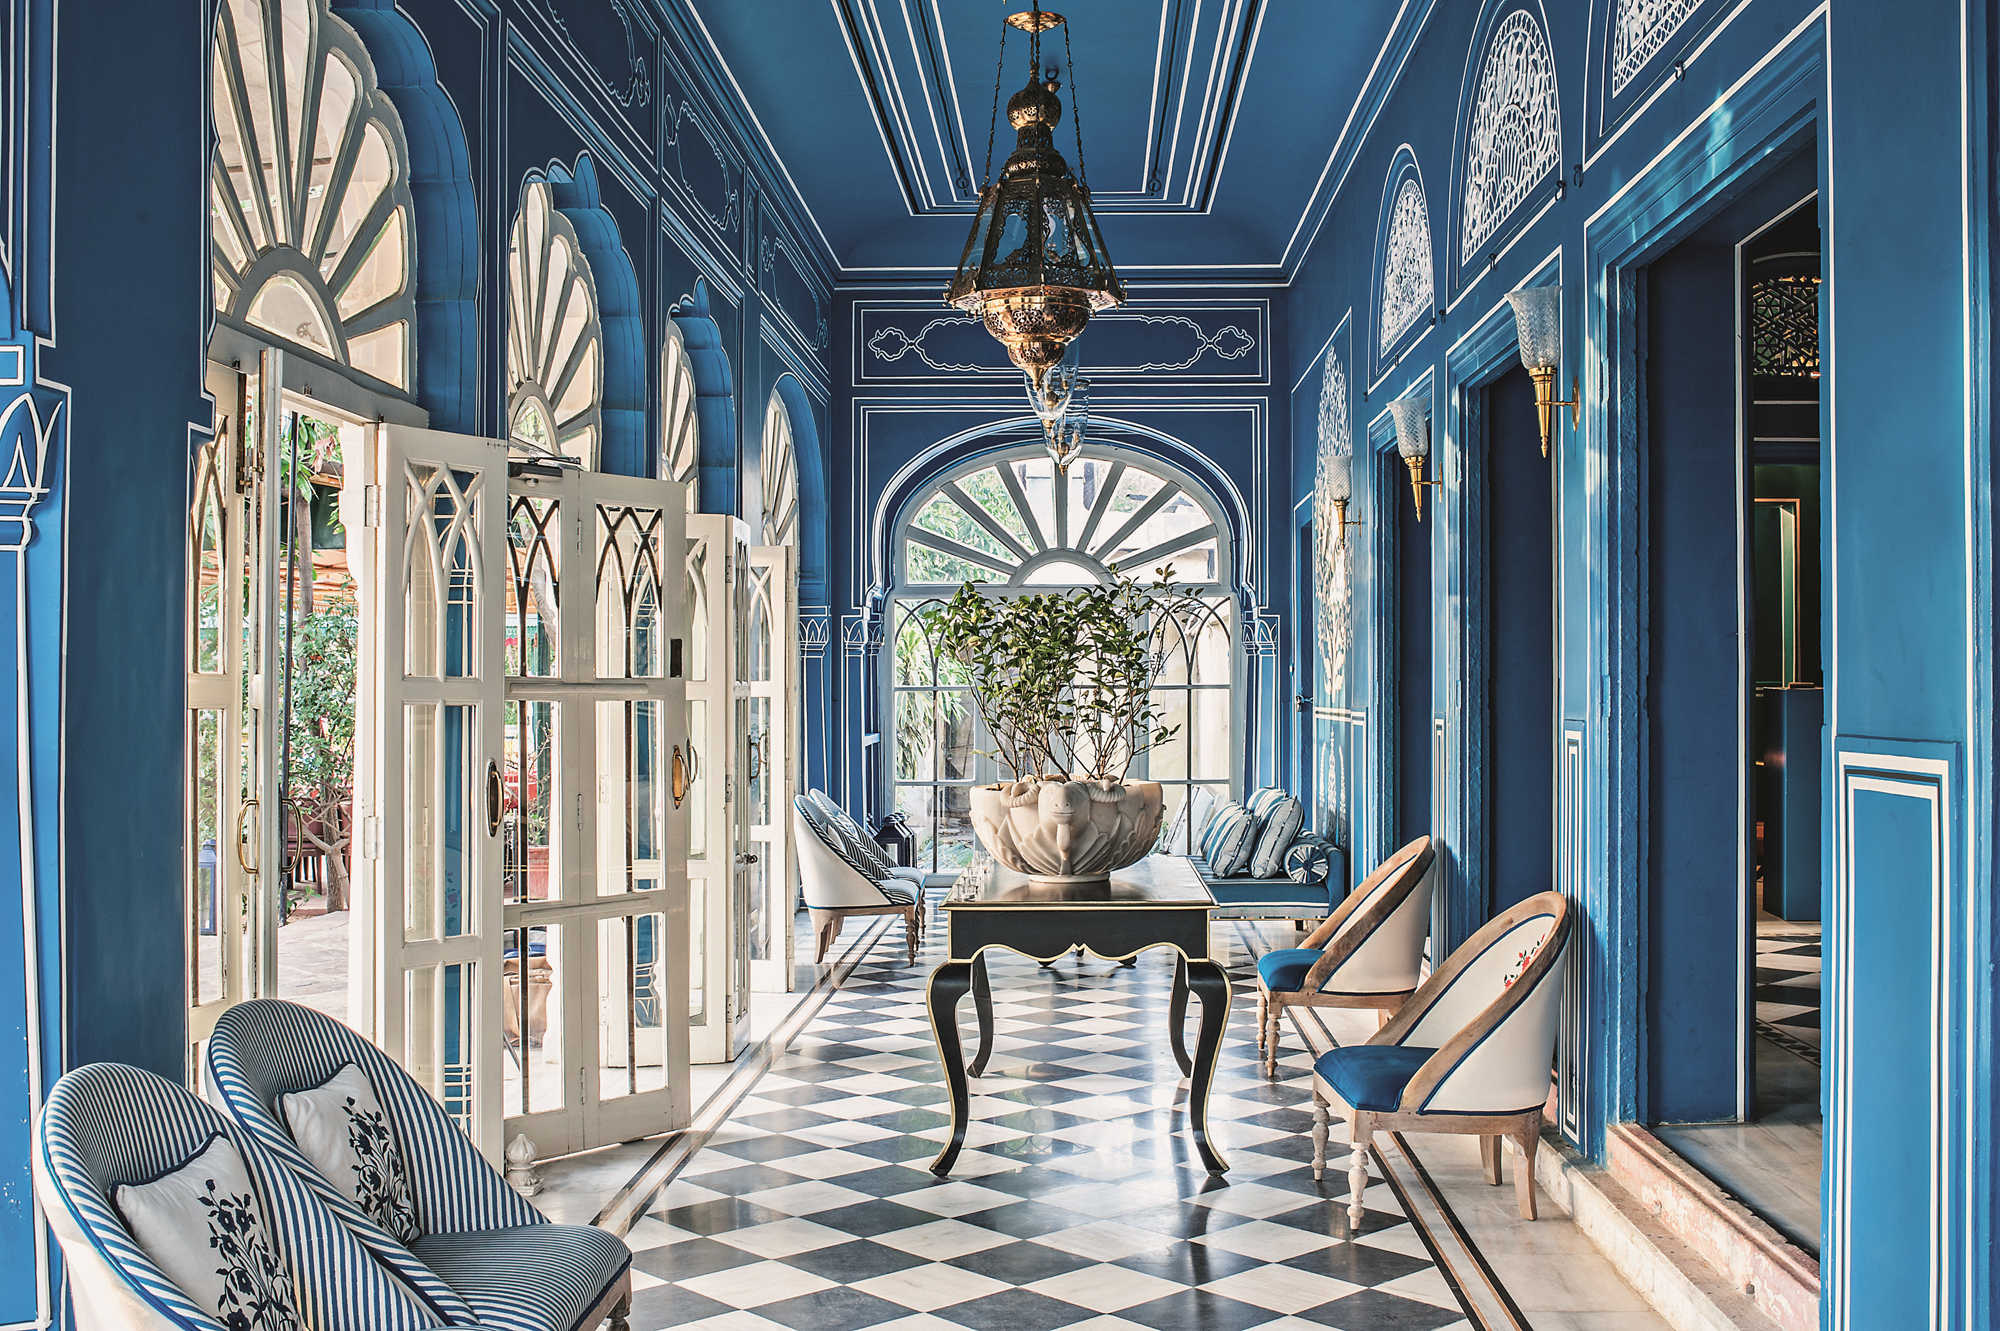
(1194, 113)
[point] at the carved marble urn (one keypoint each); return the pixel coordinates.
(1061, 833)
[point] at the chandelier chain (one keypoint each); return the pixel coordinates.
(993, 121)
(1075, 111)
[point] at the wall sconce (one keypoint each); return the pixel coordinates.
(1413, 441)
(1339, 490)
(1538, 322)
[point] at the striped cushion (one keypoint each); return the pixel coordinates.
(1217, 828)
(569, 1268)
(1264, 800)
(106, 1124)
(863, 847)
(1281, 828)
(900, 891)
(1234, 841)
(830, 834)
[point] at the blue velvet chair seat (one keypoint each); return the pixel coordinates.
(1371, 1076)
(1283, 970)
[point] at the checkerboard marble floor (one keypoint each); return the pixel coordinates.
(1788, 991)
(1077, 1202)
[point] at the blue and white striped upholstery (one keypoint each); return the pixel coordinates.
(106, 1124)
(527, 1278)
(267, 1048)
(828, 831)
(1280, 828)
(1225, 823)
(860, 845)
(1263, 800)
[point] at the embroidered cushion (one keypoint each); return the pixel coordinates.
(340, 1127)
(203, 1227)
(1281, 828)
(1234, 843)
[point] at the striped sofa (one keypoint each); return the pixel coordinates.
(483, 1247)
(106, 1124)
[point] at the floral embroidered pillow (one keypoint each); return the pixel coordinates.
(202, 1226)
(340, 1126)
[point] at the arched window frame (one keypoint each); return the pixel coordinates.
(332, 222)
(680, 420)
(916, 692)
(545, 352)
(778, 472)
(1510, 135)
(1405, 265)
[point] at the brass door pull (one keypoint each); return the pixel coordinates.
(494, 797)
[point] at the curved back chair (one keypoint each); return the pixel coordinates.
(1367, 954)
(837, 882)
(105, 1125)
(1469, 1053)
(481, 1242)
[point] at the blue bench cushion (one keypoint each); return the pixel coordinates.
(1371, 1076)
(1267, 892)
(1283, 970)
(530, 1277)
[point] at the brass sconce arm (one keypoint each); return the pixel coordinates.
(1546, 402)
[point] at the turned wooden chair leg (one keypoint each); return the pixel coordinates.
(1524, 1171)
(910, 932)
(620, 1312)
(1320, 1118)
(1263, 1012)
(1489, 1159)
(820, 939)
(1360, 1135)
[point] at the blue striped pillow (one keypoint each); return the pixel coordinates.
(1218, 827)
(1264, 801)
(1281, 828)
(1235, 841)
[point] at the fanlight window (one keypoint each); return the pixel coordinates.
(555, 358)
(1018, 522)
(1515, 137)
(309, 199)
(780, 467)
(680, 443)
(1013, 523)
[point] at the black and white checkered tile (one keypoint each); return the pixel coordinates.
(1788, 991)
(1077, 1202)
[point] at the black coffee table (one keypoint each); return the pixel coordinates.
(1158, 902)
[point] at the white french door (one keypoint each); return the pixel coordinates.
(774, 761)
(431, 571)
(719, 857)
(595, 915)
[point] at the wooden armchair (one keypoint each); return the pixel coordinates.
(1469, 1053)
(836, 882)
(1367, 954)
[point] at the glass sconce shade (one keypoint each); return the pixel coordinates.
(1538, 322)
(1413, 433)
(1339, 478)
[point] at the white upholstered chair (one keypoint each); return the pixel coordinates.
(1368, 954)
(838, 881)
(1469, 1053)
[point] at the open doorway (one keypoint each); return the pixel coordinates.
(1734, 735)
(1409, 570)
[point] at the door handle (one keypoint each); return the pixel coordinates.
(745, 857)
(679, 781)
(493, 797)
(242, 820)
(1302, 701)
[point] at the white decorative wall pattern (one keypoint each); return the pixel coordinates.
(1641, 29)
(1330, 582)
(1406, 266)
(1514, 138)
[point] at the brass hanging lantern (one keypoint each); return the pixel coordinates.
(1035, 268)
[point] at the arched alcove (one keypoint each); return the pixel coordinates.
(1405, 268)
(624, 448)
(1508, 147)
(715, 400)
(810, 464)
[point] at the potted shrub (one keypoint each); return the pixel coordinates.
(1064, 683)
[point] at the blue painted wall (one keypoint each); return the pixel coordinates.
(1892, 108)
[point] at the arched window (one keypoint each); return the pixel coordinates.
(1011, 522)
(1407, 294)
(309, 197)
(680, 426)
(555, 343)
(780, 470)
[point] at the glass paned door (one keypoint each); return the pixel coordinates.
(774, 764)
(594, 937)
(430, 566)
(719, 858)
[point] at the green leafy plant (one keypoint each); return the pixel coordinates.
(1063, 679)
(325, 648)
